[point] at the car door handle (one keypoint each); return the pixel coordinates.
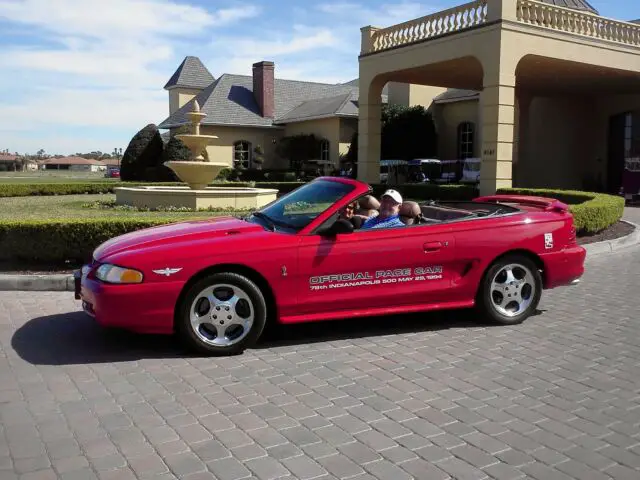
(432, 246)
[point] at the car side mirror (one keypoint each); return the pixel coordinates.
(340, 226)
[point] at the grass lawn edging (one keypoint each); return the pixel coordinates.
(101, 187)
(592, 211)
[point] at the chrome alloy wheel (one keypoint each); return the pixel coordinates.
(513, 289)
(222, 315)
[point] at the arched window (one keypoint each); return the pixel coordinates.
(324, 150)
(466, 140)
(242, 153)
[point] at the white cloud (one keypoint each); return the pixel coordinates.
(108, 19)
(302, 41)
(102, 63)
(97, 63)
(381, 16)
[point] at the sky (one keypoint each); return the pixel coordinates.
(86, 75)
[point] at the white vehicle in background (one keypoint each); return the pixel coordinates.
(470, 170)
(393, 169)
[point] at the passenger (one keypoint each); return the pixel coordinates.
(349, 213)
(389, 215)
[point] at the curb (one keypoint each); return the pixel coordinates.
(65, 283)
(37, 283)
(611, 246)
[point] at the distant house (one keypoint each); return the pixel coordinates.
(8, 162)
(76, 164)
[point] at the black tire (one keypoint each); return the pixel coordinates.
(194, 342)
(485, 303)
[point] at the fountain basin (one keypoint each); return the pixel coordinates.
(197, 174)
(209, 197)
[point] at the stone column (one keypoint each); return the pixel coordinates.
(497, 119)
(366, 38)
(520, 146)
(369, 140)
(369, 129)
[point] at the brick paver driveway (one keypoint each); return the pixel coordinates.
(422, 396)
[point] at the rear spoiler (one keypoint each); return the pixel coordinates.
(546, 204)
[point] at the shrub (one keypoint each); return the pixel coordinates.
(144, 151)
(57, 242)
(592, 212)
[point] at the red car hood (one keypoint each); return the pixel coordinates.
(216, 227)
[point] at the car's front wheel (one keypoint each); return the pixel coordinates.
(221, 314)
(510, 290)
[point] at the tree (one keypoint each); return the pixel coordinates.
(144, 151)
(299, 149)
(352, 154)
(406, 133)
(258, 156)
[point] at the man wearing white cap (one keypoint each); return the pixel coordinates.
(389, 212)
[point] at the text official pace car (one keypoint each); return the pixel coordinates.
(216, 283)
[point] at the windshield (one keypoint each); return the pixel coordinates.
(300, 207)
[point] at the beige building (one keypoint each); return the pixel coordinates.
(245, 111)
(546, 93)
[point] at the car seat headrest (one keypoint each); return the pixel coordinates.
(409, 211)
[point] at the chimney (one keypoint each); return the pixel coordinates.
(263, 88)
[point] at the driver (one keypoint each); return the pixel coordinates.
(389, 212)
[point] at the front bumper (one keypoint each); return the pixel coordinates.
(144, 308)
(564, 267)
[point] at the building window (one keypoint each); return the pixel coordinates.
(628, 134)
(242, 153)
(324, 150)
(466, 132)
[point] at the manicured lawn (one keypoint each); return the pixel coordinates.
(71, 207)
(54, 176)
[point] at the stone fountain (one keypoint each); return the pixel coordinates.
(198, 172)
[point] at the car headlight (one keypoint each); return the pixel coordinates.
(114, 274)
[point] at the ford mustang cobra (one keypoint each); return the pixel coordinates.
(216, 283)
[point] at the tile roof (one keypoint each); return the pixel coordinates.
(72, 160)
(229, 101)
(190, 74)
(344, 105)
(7, 157)
(456, 95)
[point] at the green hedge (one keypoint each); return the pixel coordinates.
(592, 212)
(56, 242)
(414, 191)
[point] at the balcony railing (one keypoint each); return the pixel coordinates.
(533, 12)
(447, 21)
(476, 13)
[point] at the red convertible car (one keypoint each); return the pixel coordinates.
(304, 257)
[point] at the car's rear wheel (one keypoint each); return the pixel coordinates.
(510, 290)
(221, 314)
